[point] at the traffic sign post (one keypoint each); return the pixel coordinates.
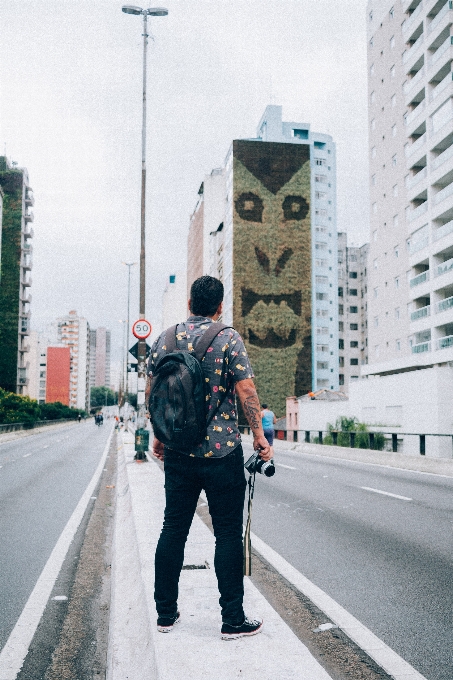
(142, 329)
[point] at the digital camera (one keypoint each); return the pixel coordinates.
(257, 464)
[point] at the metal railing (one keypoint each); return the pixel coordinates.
(421, 278)
(421, 313)
(13, 427)
(444, 304)
(354, 438)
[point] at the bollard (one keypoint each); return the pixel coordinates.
(141, 443)
(394, 442)
(371, 437)
(334, 437)
(307, 436)
(352, 439)
(422, 444)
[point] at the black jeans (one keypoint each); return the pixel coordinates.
(223, 479)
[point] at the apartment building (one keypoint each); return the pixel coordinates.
(266, 225)
(99, 353)
(15, 265)
(352, 310)
(174, 300)
(74, 332)
(410, 272)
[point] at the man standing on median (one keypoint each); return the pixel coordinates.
(215, 465)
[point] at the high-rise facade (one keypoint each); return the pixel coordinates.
(58, 378)
(269, 233)
(99, 357)
(352, 310)
(74, 332)
(15, 281)
(410, 273)
(174, 300)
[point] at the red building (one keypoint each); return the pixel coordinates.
(58, 374)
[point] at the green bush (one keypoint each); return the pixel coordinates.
(15, 408)
(102, 396)
(344, 426)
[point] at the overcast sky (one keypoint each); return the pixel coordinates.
(71, 113)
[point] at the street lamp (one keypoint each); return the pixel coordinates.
(141, 352)
(128, 265)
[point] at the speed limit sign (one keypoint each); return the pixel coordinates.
(142, 329)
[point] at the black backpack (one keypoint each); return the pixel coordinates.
(178, 399)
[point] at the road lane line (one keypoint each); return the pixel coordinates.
(15, 650)
(386, 493)
(288, 467)
(384, 656)
(26, 455)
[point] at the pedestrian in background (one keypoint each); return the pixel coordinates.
(268, 421)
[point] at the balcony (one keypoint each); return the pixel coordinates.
(443, 194)
(421, 313)
(439, 16)
(447, 341)
(410, 24)
(28, 231)
(413, 181)
(414, 49)
(444, 267)
(444, 156)
(27, 261)
(443, 231)
(440, 51)
(26, 281)
(421, 347)
(440, 87)
(416, 112)
(415, 146)
(444, 304)
(29, 217)
(29, 200)
(421, 278)
(410, 84)
(417, 212)
(419, 245)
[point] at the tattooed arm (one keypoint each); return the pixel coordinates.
(245, 389)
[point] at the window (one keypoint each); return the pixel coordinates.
(372, 70)
(374, 208)
(396, 251)
(322, 263)
(322, 330)
(375, 263)
(395, 190)
(371, 16)
(375, 235)
(376, 321)
(320, 245)
(300, 134)
(354, 362)
(375, 291)
(322, 296)
(354, 326)
(397, 282)
(376, 350)
(321, 230)
(354, 344)
(340, 292)
(394, 161)
(354, 310)
(395, 220)
(323, 365)
(393, 101)
(371, 42)
(322, 348)
(373, 152)
(322, 312)
(392, 12)
(394, 130)
(353, 291)
(373, 180)
(320, 194)
(320, 212)
(341, 379)
(372, 97)
(392, 42)
(341, 361)
(320, 161)
(341, 326)
(340, 310)
(397, 313)
(352, 275)
(373, 124)
(398, 345)
(341, 344)
(321, 178)
(323, 280)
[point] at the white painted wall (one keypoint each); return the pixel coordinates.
(315, 415)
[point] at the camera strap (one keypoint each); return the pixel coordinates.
(247, 537)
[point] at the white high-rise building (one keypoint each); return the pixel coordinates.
(410, 273)
(74, 331)
(174, 300)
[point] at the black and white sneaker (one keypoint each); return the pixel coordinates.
(165, 623)
(248, 627)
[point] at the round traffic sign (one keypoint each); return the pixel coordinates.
(142, 329)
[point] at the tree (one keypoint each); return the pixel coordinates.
(102, 396)
(344, 426)
(14, 408)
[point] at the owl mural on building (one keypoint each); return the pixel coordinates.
(272, 265)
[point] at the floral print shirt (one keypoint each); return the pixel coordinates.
(224, 364)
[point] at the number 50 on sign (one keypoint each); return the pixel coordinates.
(141, 329)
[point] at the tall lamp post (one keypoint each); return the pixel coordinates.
(141, 353)
(128, 265)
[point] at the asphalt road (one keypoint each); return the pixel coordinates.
(387, 559)
(42, 478)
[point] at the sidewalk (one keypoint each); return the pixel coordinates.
(194, 649)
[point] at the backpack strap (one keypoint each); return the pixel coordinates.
(207, 339)
(170, 339)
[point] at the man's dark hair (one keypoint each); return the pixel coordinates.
(264, 405)
(206, 294)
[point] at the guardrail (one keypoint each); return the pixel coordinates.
(305, 436)
(12, 427)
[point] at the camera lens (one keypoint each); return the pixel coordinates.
(266, 468)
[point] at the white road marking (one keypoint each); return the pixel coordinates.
(60, 598)
(386, 493)
(16, 648)
(288, 467)
(384, 656)
(26, 455)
